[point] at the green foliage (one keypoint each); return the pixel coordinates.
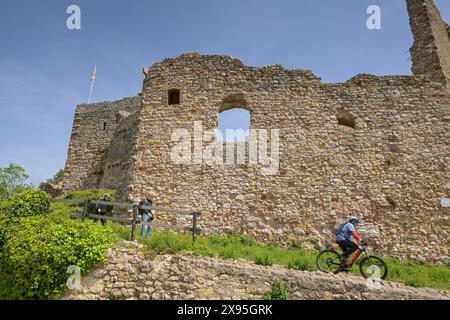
(279, 291)
(38, 250)
(4, 223)
(296, 244)
(12, 180)
(89, 194)
(247, 241)
(392, 201)
(27, 203)
(414, 283)
(111, 296)
(316, 245)
(57, 178)
(37, 247)
(419, 274)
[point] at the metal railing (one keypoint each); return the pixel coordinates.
(134, 220)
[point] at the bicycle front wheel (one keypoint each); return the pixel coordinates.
(373, 266)
(329, 261)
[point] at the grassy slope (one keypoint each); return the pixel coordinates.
(235, 247)
(296, 257)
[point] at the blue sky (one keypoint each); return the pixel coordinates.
(45, 68)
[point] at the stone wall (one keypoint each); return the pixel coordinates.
(398, 150)
(94, 127)
(130, 276)
(431, 49)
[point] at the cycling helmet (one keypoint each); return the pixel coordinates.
(354, 220)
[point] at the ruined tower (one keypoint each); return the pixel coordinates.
(431, 49)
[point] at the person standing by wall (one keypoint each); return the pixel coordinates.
(100, 209)
(147, 215)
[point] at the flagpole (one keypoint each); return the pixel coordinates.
(92, 83)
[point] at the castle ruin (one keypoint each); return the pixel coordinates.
(374, 146)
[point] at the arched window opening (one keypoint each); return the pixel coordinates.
(344, 118)
(174, 97)
(234, 125)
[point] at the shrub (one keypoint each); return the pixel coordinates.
(278, 292)
(86, 194)
(27, 203)
(38, 250)
(57, 178)
(391, 201)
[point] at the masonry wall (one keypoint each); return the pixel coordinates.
(398, 150)
(431, 49)
(120, 155)
(174, 277)
(94, 127)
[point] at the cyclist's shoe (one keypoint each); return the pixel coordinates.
(344, 266)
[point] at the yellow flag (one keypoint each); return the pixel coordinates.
(94, 74)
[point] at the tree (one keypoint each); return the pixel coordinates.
(57, 178)
(12, 179)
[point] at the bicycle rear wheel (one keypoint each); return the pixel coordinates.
(329, 261)
(373, 266)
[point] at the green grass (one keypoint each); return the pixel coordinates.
(278, 291)
(91, 194)
(228, 247)
(419, 274)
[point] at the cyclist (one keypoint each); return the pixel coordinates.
(345, 238)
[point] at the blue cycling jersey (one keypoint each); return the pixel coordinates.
(346, 232)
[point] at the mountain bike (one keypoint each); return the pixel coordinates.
(331, 261)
